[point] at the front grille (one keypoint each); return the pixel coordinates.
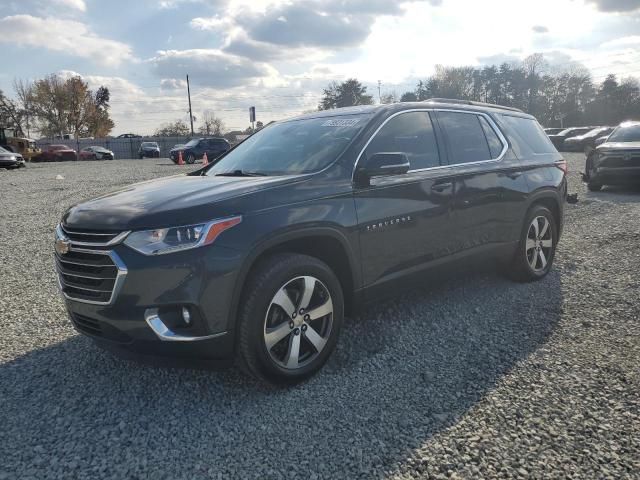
(87, 325)
(89, 236)
(87, 276)
(89, 272)
(620, 161)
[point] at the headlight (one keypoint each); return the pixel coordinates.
(167, 240)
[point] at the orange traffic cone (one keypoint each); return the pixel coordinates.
(205, 160)
(180, 159)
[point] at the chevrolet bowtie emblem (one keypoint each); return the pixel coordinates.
(62, 246)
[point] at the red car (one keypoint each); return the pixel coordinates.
(56, 153)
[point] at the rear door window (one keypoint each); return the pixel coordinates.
(495, 145)
(527, 136)
(410, 133)
(467, 140)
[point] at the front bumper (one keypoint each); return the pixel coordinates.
(616, 168)
(142, 316)
(149, 153)
(12, 163)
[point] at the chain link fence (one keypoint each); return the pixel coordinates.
(121, 147)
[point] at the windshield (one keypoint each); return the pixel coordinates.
(2, 150)
(625, 134)
(192, 143)
(293, 147)
(149, 144)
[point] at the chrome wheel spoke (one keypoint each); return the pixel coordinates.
(325, 309)
(293, 354)
(545, 226)
(531, 243)
(314, 337)
(536, 227)
(534, 260)
(282, 299)
(309, 287)
(543, 258)
(546, 243)
(274, 335)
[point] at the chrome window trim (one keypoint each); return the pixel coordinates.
(115, 258)
(492, 124)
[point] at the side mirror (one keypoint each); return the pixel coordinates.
(383, 164)
(601, 140)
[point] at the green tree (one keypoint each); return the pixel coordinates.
(346, 94)
(61, 106)
(409, 97)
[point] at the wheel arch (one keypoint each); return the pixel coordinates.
(324, 243)
(550, 199)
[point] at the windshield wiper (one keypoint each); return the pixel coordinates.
(240, 173)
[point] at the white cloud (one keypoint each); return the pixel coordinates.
(630, 41)
(74, 4)
(67, 36)
(209, 67)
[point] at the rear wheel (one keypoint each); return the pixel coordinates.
(536, 250)
(290, 319)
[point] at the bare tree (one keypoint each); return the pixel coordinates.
(212, 125)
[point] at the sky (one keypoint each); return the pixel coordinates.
(278, 55)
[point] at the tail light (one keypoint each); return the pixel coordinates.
(562, 165)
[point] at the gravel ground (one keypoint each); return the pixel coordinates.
(471, 377)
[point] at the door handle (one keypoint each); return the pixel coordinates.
(441, 187)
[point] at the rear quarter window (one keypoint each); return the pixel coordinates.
(527, 136)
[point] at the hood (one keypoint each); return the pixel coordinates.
(170, 201)
(619, 146)
(8, 155)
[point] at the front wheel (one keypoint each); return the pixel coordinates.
(537, 247)
(191, 159)
(592, 185)
(290, 319)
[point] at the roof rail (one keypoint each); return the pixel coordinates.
(471, 102)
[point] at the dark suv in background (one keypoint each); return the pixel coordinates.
(616, 161)
(260, 255)
(197, 147)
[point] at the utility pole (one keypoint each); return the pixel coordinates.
(379, 96)
(190, 112)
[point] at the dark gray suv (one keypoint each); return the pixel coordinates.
(260, 255)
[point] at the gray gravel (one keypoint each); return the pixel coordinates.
(471, 377)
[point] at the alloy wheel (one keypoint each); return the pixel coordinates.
(298, 322)
(539, 244)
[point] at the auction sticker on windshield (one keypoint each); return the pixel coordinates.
(341, 122)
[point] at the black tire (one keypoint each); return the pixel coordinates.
(268, 279)
(191, 159)
(521, 268)
(591, 185)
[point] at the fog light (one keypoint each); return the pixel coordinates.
(186, 316)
